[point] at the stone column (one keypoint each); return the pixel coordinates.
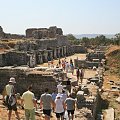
(46, 56)
(50, 55)
(58, 52)
(62, 51)
(32, 61)
(65, 52)
(40, 59)
(55, 53)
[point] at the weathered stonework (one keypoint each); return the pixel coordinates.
(25, 77)
(41, 33)
(1, 32)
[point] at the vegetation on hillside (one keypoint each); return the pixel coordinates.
(113, 60)
(99, 40)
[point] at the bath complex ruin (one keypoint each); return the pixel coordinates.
(38, 46)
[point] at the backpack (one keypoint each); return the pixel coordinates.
(11, 99)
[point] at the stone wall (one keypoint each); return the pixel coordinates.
(79, 49)
(24, 77)
(12, 58)
(41, 33)
(13, 36)
(1, 32)
(91, 56)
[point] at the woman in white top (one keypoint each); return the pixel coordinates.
(59, 107)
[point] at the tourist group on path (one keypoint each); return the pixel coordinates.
(58, 102)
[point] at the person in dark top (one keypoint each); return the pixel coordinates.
(78, 74)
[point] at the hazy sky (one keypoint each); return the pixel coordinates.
(73, 16)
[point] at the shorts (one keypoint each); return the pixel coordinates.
(59, 114)
(13, 107)
(30, 113)
(70, 112)
(47, 112)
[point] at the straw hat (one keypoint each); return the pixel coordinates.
(12, 80)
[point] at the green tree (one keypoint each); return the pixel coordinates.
(72, 39)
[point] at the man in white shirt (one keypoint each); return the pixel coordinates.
(29, 104)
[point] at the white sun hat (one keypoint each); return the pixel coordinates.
(58, 95)
(12, 80)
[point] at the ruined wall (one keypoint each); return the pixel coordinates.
(41, 33)
(13, 36)
(13, 58)
(23, 79)
(79, 49)
(1, 32)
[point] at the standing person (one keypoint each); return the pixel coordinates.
(63, 95)
(63, 64)
(59, 62)
(59, 107)
(70, 103)
(67, 67)
(78, 74)
(46, 102)
(11, 98)
(60, 88)
(72, 67)
(81, 75)
(54, 94)
(29, 101)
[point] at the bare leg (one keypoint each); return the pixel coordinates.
(47, 117)
(72, 116)
(16, 112)
(69, 116)
(9, 114)
(62, 118)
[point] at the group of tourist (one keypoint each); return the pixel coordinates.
(58, 102)
(69, 67)
(64, 64)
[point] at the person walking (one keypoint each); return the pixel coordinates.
(54, 94)
(11, 98)
(70, 103)
(46, 102)
(28, 99)
(60, 87)
(81, 75)
(63, 95)
(59, 107)
(78, 74)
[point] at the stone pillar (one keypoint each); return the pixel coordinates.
(55, 53)
(32, 61)
(50, 55)
(45, 56)
(40, 59)
(64, 51)
(58, 52)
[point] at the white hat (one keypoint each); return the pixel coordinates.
(12, 80)
(58, 95)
